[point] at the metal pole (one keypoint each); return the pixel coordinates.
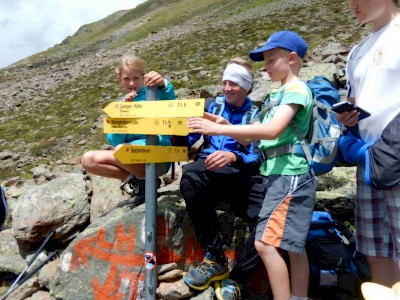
(150, 256)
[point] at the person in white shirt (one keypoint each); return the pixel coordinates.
(373, 74)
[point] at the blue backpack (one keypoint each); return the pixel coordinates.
(320, 145)
(335, 265)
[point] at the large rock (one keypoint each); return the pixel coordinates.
(60, 204)
(105, 194)
(11, 261)
(108, 257)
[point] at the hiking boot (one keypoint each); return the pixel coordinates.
(207, 271)
(136, 188)
(227, 289)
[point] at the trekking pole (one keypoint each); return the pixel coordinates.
(150, 214)
(12, 287)
(30, 274)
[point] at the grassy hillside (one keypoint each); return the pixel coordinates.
(181, 38)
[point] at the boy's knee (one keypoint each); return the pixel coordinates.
(259, 246)
(264, 249)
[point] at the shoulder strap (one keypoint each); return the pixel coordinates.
(249, 114)
(302, 149)
(219, 106)
(218, 109)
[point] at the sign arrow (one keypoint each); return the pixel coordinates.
(156, 109)
(134, 154)
(166, 126)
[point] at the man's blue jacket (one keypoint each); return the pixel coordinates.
(247, 156)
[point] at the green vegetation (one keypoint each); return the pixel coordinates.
(59, 125)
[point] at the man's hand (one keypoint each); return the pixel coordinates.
(219, 159)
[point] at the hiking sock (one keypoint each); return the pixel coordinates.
(219, 255)
(297, 298)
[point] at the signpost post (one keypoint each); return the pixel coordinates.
(151, 215)
(152, 118)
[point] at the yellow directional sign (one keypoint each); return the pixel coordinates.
(156, 109)
(168, 126)
(133, 154)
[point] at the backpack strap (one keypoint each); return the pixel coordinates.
(219, 106)
(303, 142)
(302, 149)
(249, 114)
(218, 109)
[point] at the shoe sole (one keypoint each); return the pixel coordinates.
(214, 278)
(218, 290)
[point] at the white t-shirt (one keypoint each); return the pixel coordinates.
(373, 79)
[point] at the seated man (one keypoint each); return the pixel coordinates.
(224, 172)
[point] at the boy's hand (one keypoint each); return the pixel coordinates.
(129, 97)
(202, 126)
(219, 159)
(153, 79)
(216, 119)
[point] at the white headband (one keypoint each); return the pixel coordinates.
(239, 75)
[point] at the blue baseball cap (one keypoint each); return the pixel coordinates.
(287, 40)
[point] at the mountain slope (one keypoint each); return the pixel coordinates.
(52, 101)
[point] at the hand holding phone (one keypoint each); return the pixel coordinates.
(348, 106)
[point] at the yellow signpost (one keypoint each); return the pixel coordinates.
(135, 154)
(167, 126)
(156, 109)
(166, 117)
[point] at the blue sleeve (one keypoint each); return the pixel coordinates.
(250, 161)
(115, 139)
(168, 93)
(352, 148)
(193, 138)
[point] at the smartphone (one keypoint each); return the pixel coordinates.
(348, 106)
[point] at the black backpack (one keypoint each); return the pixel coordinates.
(336, 268)
(3, 207)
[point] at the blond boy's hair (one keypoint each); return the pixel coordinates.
(131, 62)
(286, 53)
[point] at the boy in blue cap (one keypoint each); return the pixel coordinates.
(285, 216)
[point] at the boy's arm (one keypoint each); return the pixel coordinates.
(270, 131)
